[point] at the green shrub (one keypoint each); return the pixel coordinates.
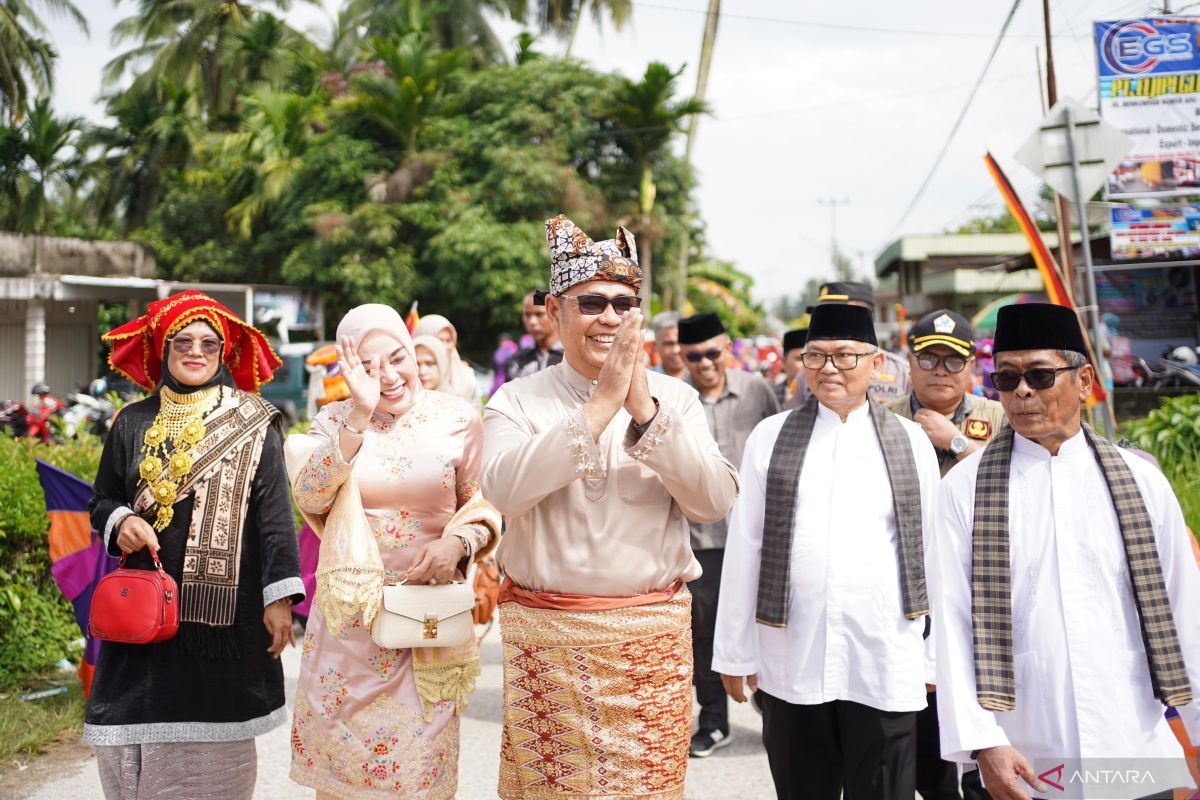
(1171, 433)
(37, 624)
(37, 627)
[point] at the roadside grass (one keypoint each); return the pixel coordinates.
(27, 728)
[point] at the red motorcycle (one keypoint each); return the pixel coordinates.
(37, 421)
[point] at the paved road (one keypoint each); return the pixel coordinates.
(739, 770)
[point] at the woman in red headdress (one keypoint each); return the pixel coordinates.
(195, 474)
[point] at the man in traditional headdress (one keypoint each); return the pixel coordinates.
(1067, 596)
(734, 402)
(598, 464)
(546, 350)
(790, 390)
(892, 379)
(823, 592)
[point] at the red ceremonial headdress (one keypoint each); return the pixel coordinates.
(137, 347)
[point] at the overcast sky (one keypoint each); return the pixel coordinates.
(812, 101)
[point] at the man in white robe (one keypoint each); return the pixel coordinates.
(840, 681)
(1082, 685)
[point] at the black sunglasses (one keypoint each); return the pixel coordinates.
(696, 357)
(209, 346)
(1008, 380)
(594, 304)
(929, 362)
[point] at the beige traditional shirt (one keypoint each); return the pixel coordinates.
(607, 518)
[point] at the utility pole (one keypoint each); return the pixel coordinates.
(833, 203)
(1062, 212)
(706, 51)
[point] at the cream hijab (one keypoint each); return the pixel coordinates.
(440, 354)
(364, 319)
(459, 379)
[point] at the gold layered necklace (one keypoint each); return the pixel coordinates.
(180, 421)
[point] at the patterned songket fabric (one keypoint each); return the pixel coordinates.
(596, 703)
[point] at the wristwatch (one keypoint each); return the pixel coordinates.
(958, 445)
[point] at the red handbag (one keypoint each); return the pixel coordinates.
(135, 606)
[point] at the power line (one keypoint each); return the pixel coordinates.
(830, 25)
(961, 116)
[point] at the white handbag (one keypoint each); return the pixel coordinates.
(425, 616)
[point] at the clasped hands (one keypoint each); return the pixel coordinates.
(622, 382)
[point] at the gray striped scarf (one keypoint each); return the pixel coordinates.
(991, 582)
(779, 520)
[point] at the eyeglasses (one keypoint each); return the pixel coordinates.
(594, 304)
(696, 357)
(929, 362)
(1008, 380)
(842, 361)
(208, 346)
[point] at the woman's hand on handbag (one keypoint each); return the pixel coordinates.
(436, 561)
(134, 533)
(278, 621)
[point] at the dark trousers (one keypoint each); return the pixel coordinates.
(710, 694)
(936, 779)
(839, 749)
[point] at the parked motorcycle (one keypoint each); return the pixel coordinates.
(37, 421)
(90, 411)
(1179, 368)
(12, 419)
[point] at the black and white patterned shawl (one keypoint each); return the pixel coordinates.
(783, 477)
(991, 580)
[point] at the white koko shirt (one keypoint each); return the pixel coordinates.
(1082, 680)
(846, 637)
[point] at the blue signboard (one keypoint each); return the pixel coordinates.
(1149, 75)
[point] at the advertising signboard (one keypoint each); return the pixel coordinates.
(1169, 230)
(1149, 71)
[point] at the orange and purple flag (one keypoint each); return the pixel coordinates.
(77, 557)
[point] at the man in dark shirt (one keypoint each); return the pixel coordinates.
(546, 350)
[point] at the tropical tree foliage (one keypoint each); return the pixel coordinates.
(26, 58)
(645, 116)
(37, 158)
(404, 154)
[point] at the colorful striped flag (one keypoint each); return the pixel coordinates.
(413, 318)
(77, 557)
(1056, 289)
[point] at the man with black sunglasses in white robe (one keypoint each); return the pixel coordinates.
(1065, 610)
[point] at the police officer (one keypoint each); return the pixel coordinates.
(941, 350)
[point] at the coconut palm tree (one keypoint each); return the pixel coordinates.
(645, 117)
(450, 24)
(273, 138)
(154, 132)
(563, 17)
(44, 159)
(26, 58)
(188, 43)
(401, 89)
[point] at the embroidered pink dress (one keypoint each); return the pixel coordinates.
(358, 729)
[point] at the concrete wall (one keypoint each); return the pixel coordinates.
(71, 347)
(21, 256)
